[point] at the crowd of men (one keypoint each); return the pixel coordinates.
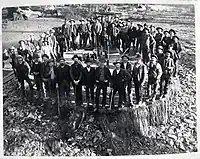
(156, 53)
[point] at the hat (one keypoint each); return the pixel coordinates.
(116, 62)
(36, 56)
(138, 56)
(51, 31)
(166, 31)
(172, 30)
(42, 35)
(21, 41)
(152, 26)
(51, 60)
(32, 34)
(139, 25)
(176, 37)
(154, 56)
(61, 59)
(145, 24)
(12, 48)
(88, 60)
(160, 47)
(125, 56)
(19, 56)
(45, 55)
(72, 20)
(159, 28)
(146, 29)
(75, 56)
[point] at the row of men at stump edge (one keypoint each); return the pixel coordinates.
(156, 63)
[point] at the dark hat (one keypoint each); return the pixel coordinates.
(36, 55)
(45, 55)
(61, 59)
(88, 60)
(138, 56)
(154, 56)
(145, 24)
(166, 31)
(159, 28)
(176, 37)
(146, 29)
(75, 56)
(172, 30)
(22, 41)
(116, 62)
(152, 26)
(51, 60)
(20, 56)
(125, 56)
(139, 25)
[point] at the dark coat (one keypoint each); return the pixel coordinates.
(107, 74)
(22, 70)
(119, 80)
(128, 67)
(89, 77)
(76, 72)
(63, 74)
(139, 74)
(36, 69)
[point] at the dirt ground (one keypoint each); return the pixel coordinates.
(178, 17)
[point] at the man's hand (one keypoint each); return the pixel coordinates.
(57, 85)
(106, 81)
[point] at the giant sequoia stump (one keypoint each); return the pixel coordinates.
(137, 120)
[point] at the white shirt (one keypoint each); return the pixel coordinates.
(125, 64)
(88, 68)
(117, 71)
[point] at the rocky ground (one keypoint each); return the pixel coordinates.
(36, 129)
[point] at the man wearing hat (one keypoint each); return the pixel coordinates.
(147, 45)
(96, 33)
(166, 40)
(103, 77)
(36, 70)
(132, 32)
(24, 52)
(167, 67)
(83, 32)
(22, 73)
(89, 81)
(154, 75)
(33, 40)
(138, 37)
(159, 36)
(127, 66)
(66, 33)
(76, 72)
(63, 80)
(139, 75)
(13, 56)
(73, 34)
(118, 81)
(53, 41)
(160, 54)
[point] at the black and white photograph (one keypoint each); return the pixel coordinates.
(103, 79)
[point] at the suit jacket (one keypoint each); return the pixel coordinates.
(73, 31)
(63, 74)
(120, 79)
(76, 72)
(65, 30)
(139, 74)
(107, 74)
(128, 67)
(89, 77)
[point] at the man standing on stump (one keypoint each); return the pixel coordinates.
(103, 77)
(89, 81)
(76, 72)
(154, 75)
(127, 66)
(63, 80)
(119, 79)
(139, 75)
